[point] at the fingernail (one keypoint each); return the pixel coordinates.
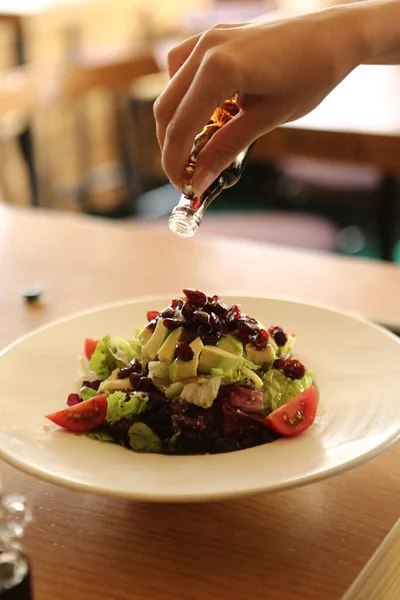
(201, 181)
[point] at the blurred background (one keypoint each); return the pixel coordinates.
(79, 78)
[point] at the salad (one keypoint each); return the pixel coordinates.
(200, 377)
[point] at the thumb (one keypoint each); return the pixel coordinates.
(225, 146)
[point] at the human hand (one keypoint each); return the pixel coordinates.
(279, 70)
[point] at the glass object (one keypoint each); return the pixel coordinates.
(15, 581)
(187, 215)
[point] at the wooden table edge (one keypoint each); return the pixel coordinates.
(371, 582)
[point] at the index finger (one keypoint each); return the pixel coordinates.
(212, 85)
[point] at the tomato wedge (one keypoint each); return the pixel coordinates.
(295, 416)
(82, 417)
(90, 347)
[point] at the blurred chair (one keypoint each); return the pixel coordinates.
(38, 92)
(17, 99)
(76, 83)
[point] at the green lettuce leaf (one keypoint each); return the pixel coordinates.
(158, 372)
(101, 436)
(120, 406)
(86, 393)
(279, 389)
(201, 392)
(103, 362)
(143, 439)
(125, 350)
(244, 376)
(174, 390)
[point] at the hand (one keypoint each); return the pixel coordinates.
(280, 72)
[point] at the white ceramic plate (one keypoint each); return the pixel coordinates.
(357, 370)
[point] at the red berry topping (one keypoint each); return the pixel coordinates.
(279, 335)
(294, 369)
(183, 351)
(195, 297)
(152, 314)
(261, 340)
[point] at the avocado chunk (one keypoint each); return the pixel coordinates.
(181, 370)
(231, 344)
(156, 341)
(145, 334)
(213, 357)
(260, 357)
(167, 351)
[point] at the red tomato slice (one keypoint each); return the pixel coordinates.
(296, 416)
(82, 417)
(90, 347)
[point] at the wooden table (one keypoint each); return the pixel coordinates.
(307, 543)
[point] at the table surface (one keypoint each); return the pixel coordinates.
(311, 542)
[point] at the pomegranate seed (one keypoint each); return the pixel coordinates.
(152, 325)
(183, 352)
(261, 340)
(294, 369)
(133, 367)
(215, 321)
(134, 379)
(173, 323)
(92, 384)
(187, 311)
(73, 399)
(152, 314)
(279, 363)
(202, 317)
(195, 297)
(145, 384)
(218, 306)
(211, 339)
(177, 303)
(247, 325)
(233, 313)
(279, 335)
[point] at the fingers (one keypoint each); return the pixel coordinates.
(228, 143)
(179, 55)
(206, 91)
(183, 63)
(166, 104)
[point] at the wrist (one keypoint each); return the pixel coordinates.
(379, 25)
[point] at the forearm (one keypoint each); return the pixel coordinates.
(379, 21)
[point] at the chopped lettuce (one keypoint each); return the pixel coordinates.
(103, 361)
(252, 376)
(244, 376)
(124, 351)
(202, 391)
(120, 406)
(84, 372)
(86, 393)
(143, 439)
(115, 384)
(174, 390)
(158, 372)
(279, 389)
(101, 436)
